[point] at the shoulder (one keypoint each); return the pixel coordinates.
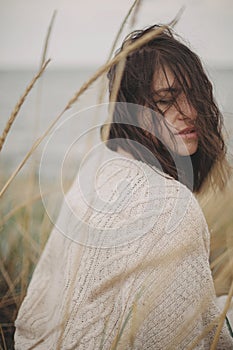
(126, 198)
(120, 183)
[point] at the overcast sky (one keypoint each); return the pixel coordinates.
(84, 29)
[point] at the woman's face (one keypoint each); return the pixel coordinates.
(181, 125)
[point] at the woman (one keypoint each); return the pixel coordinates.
(131, 268)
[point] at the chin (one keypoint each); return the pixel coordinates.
(187, 150)
(188, 153)
(185, 154)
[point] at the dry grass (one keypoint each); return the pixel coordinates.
(20, 103)
(14, 246)
(47, 39)
(23, 237)
(133, 10)
(222, 319)
(218, 208)
(137, 8)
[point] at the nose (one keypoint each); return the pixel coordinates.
(186, 111)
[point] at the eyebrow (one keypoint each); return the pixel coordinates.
(168, 89)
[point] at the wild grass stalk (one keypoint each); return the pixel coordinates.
(204, 333)
(32, 174)
(113, 97)
(39, 86)
(20, 103)
(136, 11)
(23, 204)
(3, 339)
(13, 234)
(47, 39)
(122, 26)
(8, 280)
(222, 319)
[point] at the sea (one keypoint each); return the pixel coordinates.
(76, 130)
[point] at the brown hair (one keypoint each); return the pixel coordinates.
(135, 89)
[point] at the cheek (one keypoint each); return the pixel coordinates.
(170, 115)
(165, 136)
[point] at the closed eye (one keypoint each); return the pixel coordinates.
(165, 102)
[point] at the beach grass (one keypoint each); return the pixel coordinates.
(25, 225)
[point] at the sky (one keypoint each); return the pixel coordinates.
(84, 30)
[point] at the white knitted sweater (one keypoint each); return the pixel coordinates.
(125, 269)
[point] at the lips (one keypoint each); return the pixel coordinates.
(188, 134)
(185, 131)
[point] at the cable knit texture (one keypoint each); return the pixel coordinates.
(126, 265)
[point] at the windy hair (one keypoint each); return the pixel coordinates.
(136, 89)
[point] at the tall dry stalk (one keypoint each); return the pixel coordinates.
(103, 81)
(20, 103)
(47, 38)
(32, 173)
(132, 8)
(25, 203)
(222, 319)
(7, 279)
(135, 13)
(3, 338)
(122, 26)
(42, 60)
(116, 85)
